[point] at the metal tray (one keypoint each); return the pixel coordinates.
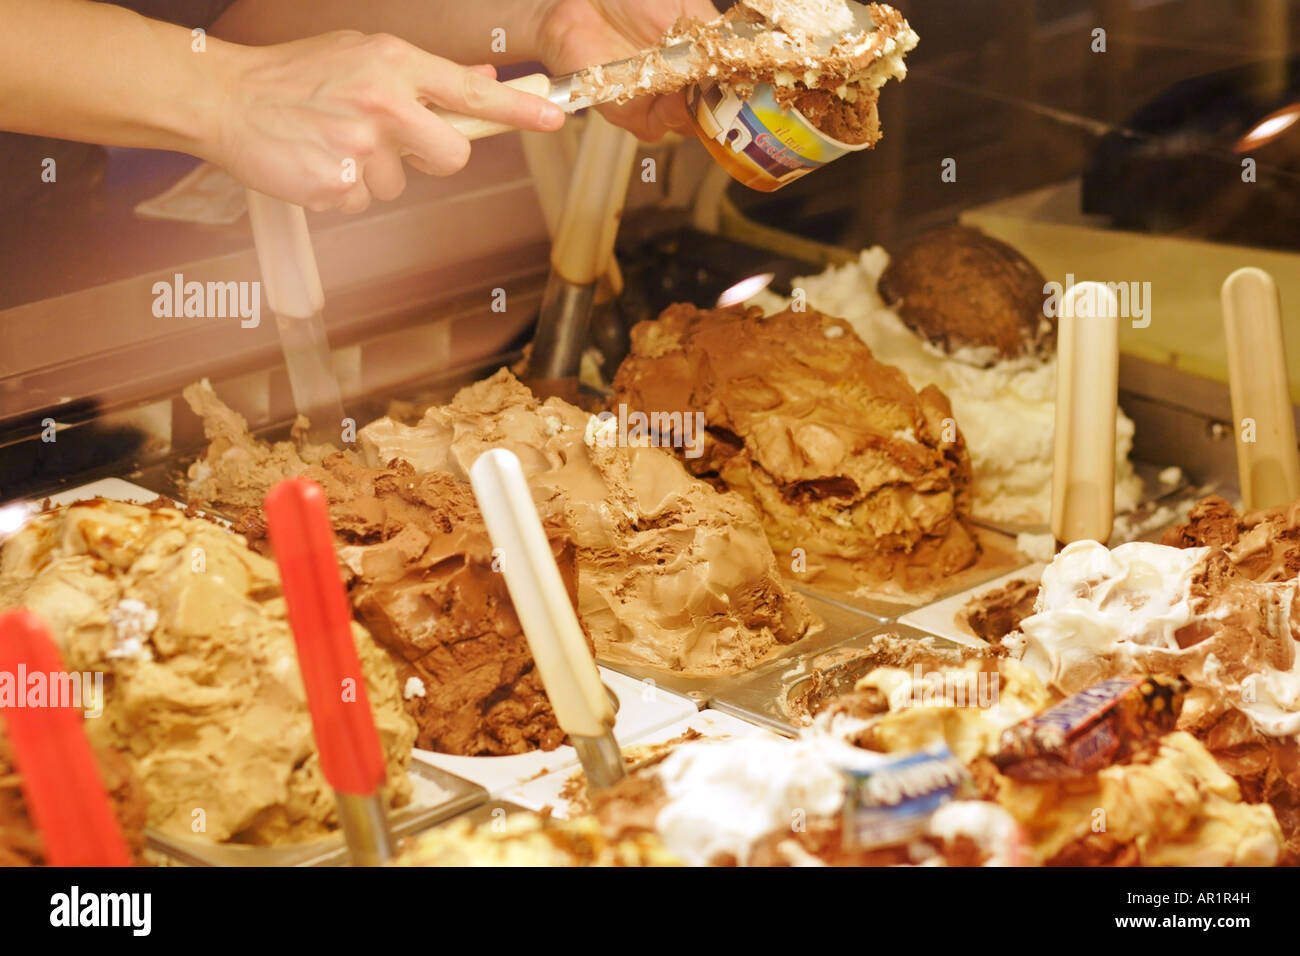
(457, 796)
(759, 699)
(1000, 556)
(840, 624)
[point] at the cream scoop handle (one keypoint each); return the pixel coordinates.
(1087, 396)
(1268, 463)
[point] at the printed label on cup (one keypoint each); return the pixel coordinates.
(758, 142)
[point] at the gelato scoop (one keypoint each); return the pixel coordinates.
(815, 54)
(671, 573)
(202, 691)
(856, 475)
(967, 293)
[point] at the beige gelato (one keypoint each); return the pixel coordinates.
(203, 694)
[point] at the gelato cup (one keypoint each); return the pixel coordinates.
(758, 142)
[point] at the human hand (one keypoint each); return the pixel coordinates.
(325, 122)
(579, 33)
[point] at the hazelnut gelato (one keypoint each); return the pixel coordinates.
(202, 691)
(237, 470)
(671, 573)
(856, 475)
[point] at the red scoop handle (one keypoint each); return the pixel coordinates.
(298, 520)
(60, 780)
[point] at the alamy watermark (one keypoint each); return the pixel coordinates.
(684, 430)
(953, 688)
(208, 300)
(83, 690)
(1133, 299)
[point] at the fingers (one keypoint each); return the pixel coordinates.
(671, 112)
(384, 176)
(435, 147)
(452, 87)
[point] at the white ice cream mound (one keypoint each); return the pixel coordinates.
(1006, 411)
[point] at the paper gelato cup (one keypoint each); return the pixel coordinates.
(757, 141)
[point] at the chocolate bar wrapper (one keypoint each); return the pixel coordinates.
(891, 803)
(1092, 729)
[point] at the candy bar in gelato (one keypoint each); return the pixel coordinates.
(960, 312)
(672, 574)
(423, 578)
(1171, 807)
(765, 801)
(202, 691)
(1152, 609)
(1159, 801)
(20, 841)
(862, 482)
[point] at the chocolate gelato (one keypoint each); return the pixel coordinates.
(961, 290)
(1263, 546)
(861, 481)
(423, 580)
(671, 573)
(20, 843)
(995, 614)
(203, 695)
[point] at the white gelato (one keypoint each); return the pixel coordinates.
(1005, 411)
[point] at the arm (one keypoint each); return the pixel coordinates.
(73, 70)
(565, 35)
(460, 30)
(284, 119)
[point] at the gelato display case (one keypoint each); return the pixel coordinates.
(796, 530)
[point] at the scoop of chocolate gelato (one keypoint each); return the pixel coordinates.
(963, 291)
